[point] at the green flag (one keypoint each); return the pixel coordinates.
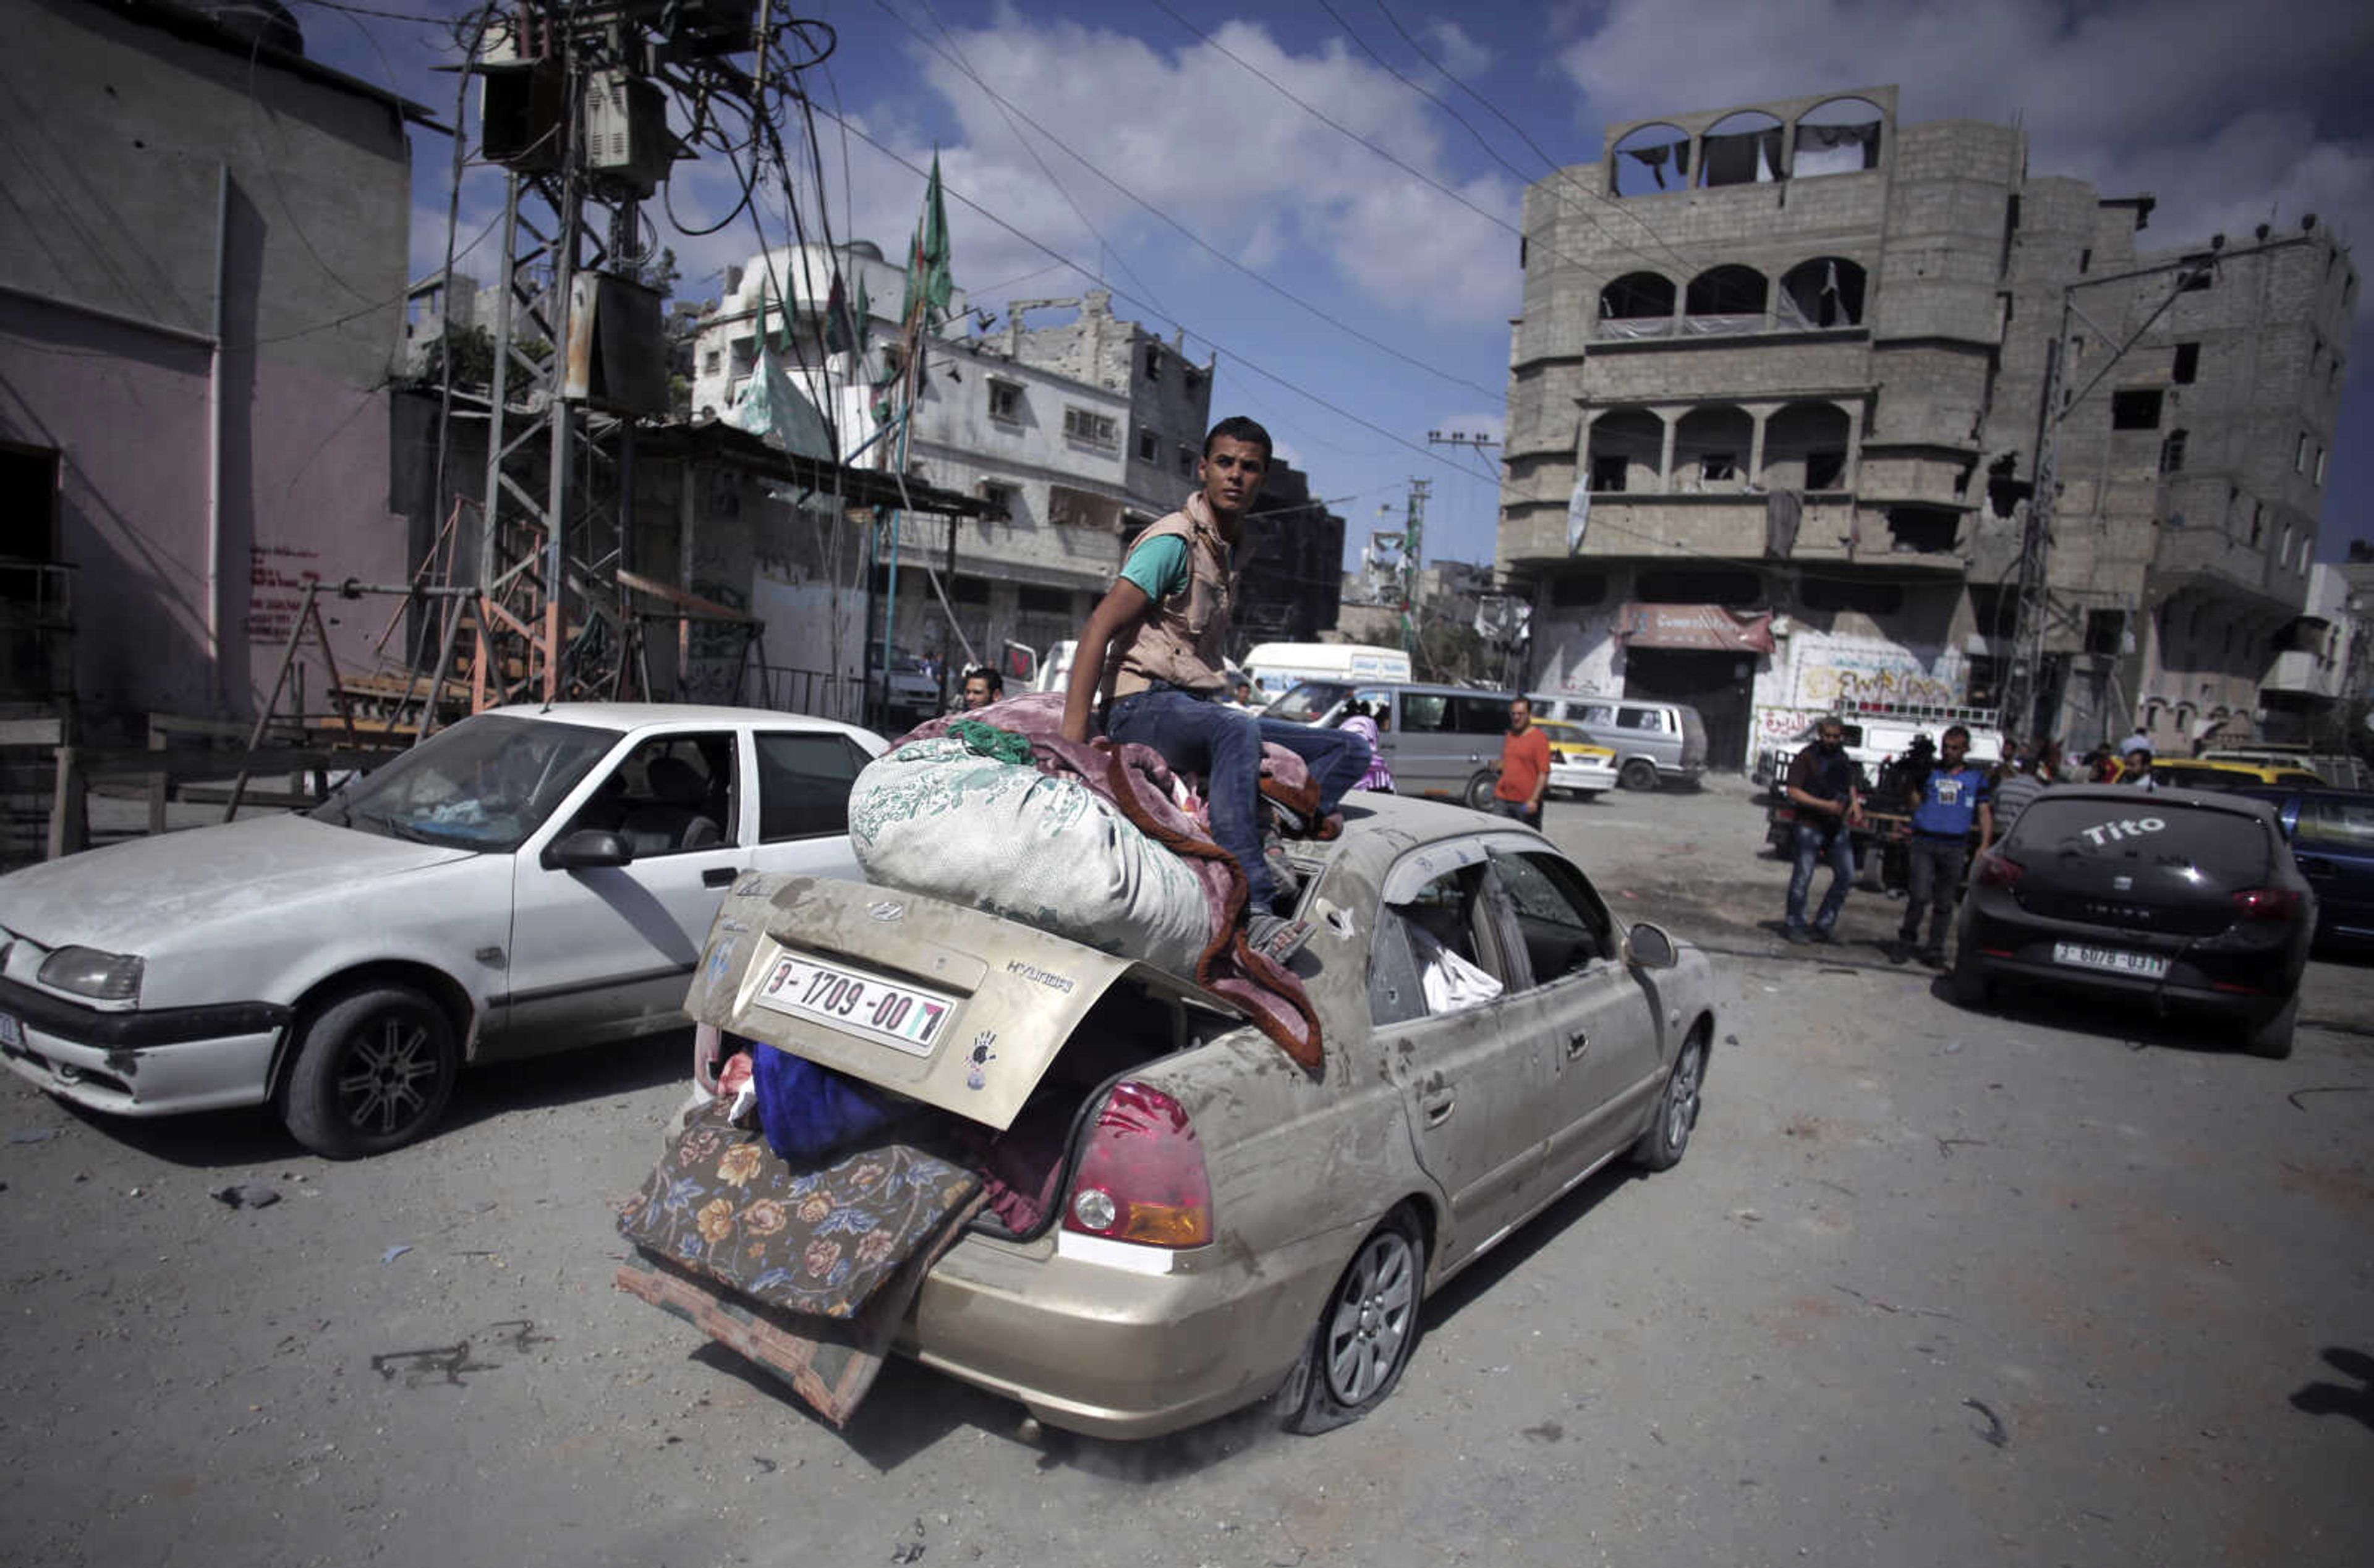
(928, 280)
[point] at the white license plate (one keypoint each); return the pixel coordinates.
(2109, 960)
(905, 1017)
(12, 1034)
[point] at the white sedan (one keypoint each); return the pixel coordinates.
(529, 880)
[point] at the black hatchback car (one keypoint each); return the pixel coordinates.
(2168, 899)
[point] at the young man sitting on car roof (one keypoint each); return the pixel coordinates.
(1151, 660)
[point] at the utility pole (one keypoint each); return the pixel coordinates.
(2023, 688)
(574, 106)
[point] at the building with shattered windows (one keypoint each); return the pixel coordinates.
(1785, 363)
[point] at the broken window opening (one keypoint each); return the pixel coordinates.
(1149, 447)
(1825, 292)
(1700, 585)
(2086, 258)
(1725, 299)
(1804, 448)
(2186, 367)
(1838, 138)
(1922, 530)
(2135, 409)
(2105, 630)
(1004, 400)
(1625, 441)
(2172, 452)
(1707, 447)
(2006, 488)
(2299, 455)
(1741, 149)
(1639, 304)
(2319, 468)
(2257, 520)
(1637, 164)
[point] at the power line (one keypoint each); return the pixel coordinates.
(1123, 294)
(1557, 169)
(1193, 238)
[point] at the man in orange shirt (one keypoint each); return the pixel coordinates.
(1524, 768)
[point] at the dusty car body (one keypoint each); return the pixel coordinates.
(1228, 1226)
(527, 881)
(2161, 899)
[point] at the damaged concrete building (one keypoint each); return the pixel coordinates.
(1782, 368)
(1081, 431)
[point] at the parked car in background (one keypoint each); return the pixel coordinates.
(1214, 1226)
(2204, 773)
(1277, 668)
(530, 880)
(910, 695)
(2339, 770)
(1578, 767)
(1439, 741)
(1654, 741)
(2163, 901)
(2332, 835)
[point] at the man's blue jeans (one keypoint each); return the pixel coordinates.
(1224, 744)
(1816, 845)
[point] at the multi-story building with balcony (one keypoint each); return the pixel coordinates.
(1084, 431)
(1785, 365)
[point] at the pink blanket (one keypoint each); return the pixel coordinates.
(1138, 781)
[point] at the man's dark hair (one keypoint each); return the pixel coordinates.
(1236, 427)
(1954, 730)
(987, 673)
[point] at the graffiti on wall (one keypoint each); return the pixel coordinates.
(276, 589)
(715, 649)
(1833, 676)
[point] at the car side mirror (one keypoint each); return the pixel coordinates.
(1648, 947)
(588, 848)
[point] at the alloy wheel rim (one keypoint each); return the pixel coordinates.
(390, 1068)
(1681, 1106)
(1371, 1319)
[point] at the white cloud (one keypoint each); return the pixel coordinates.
(1198, 136)
(1459, 55)
(2213, 107)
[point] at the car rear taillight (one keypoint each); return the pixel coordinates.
(1141, 1175)
(2267, 904)
(1997, 870)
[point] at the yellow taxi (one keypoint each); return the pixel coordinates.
(1578, 766)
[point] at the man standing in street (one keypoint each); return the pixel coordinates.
(2025, 778)
(1524, 768)
(1151, 659)
(982, 685)
(1945, 804)
(1822, 786)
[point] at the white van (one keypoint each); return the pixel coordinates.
(1276, 666)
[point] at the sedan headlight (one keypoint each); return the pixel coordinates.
(85, 971)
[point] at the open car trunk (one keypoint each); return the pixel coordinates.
(1002, 1036)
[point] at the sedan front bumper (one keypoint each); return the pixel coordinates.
(154, 1062)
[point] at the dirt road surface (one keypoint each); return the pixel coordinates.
(2040, 1285)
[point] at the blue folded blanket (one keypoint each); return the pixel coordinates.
(808, 1111)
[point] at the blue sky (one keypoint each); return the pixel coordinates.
(1216, 195)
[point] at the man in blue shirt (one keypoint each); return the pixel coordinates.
(1945, 804)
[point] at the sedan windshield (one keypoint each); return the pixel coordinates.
(1306, 702)
(485, 784)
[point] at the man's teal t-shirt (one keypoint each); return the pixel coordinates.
(1158, 566)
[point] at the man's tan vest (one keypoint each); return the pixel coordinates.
(1181, 639)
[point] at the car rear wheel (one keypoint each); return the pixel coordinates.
(2272, 1039)
(374, 1070)
(1661, 1148)
(1365, 1333)
(1638, 774)
(1479, 791)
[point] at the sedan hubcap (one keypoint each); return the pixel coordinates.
(390, 1069)
(1371, 1319)
(1681, 1106)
